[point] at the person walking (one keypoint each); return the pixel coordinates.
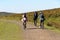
(24, 20)
(42, 18)
(35, 18)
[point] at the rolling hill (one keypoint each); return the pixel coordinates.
(52, 17)
(5, 13)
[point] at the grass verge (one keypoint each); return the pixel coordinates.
(10, 31)
(52, 28)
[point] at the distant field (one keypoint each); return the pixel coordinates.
(10, 31)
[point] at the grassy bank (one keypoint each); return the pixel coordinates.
(10, 31)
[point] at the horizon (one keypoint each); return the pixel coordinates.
(22, 6)
(29, 11)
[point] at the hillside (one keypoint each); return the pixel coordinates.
(52, 17)
(5, 13)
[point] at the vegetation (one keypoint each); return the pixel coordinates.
(52, 17)
(10, 31)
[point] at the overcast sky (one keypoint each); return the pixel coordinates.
(22, 6)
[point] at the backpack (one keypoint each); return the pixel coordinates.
(42, 17)
(24, 19)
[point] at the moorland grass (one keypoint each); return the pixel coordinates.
(10, 31)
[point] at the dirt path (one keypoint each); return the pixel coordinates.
(35, 33)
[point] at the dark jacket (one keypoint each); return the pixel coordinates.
(42, 17)
(35, 15)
